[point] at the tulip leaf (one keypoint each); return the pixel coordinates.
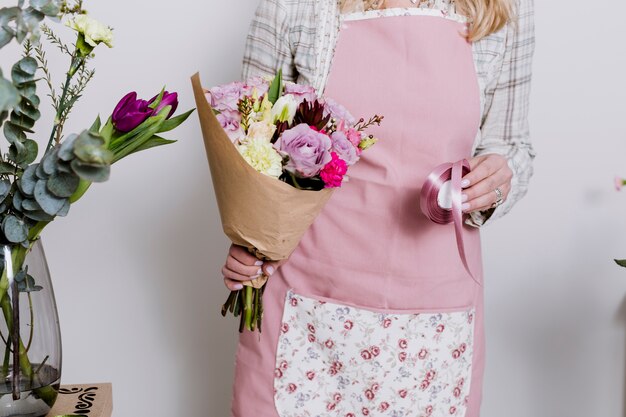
(621, 262)
(153, 142)
(276, 87)
(14, 229)
(95, 127)
(150, 130)
(155, 103)
(174, 122)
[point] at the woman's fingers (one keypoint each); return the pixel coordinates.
(250, 271)
(243, 256)
(488, 173)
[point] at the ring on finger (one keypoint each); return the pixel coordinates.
(499, 198)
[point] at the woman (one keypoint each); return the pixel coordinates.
(374, 313)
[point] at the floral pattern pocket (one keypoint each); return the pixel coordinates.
(339, 360)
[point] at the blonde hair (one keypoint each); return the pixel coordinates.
(485, 16)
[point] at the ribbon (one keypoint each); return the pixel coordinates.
(429, 203)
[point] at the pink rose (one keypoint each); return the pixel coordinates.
(425, 383)
(422, 354)
(430, 375)
(333, 172)
(452, 410)
(402, 343)
(337, 111)
(365, 354)
(331, 406)
(278, 373)
(226, 97)
(260, 83)
(283, 365)
(230, 121)
(456, 354)
(301, 92)
(348, 325)
(440, 328)
(386, 323)
(383, 406)
(365, 411)
(311, 337)
(457, 392)
(285, 328)
(402, 393)
(402, 356)
(337, 397)
(310, 327)
(308, 150)
(310, 375)
(329, 344)
(344, 148)
(375, 350)
(369, 394)
(291, 388)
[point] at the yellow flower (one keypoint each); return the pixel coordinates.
(262, 156)
(367, 143)
(93, 31)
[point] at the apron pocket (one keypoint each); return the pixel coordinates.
(348, 361)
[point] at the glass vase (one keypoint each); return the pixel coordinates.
(30, 337)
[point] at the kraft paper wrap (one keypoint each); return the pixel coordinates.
(259, 212)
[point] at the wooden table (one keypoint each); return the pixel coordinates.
(93, 400)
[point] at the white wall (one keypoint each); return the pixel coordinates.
(136, 264)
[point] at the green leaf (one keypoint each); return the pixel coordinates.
(275, 87)
(90, 172)
(153, 142)
(5, 187)
(157, 100)
(174, 122)
(131, 144)
(49, 203)
(6, 168)
(28, 180)
(9, 96)
(13, 133)
(63, 185)
(14, 229)
(621, 262)
(95, 127)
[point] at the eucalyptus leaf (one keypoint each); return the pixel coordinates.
(28, 180)
(14, 229)
(31, 149)
(5, 187)
(6, 168)
(90, 172)
(13, 133)
(63, 185)
(49, 164)
(65, 209)
(9, 96)
(49, 203)
(38, 216)
(66, 149)
(18, 198)
(30, 205)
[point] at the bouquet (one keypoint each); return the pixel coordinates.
(35, 190)
(276, 151)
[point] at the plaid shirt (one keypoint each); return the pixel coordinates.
(299, 36)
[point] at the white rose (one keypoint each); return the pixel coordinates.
(93, 31)
(261, 130)
(285, 108)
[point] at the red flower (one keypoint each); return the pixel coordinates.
(311, 337)
(331, 406)
(463, 347)
(456, 354)
(422, 354)
(278, 373)
(348, 325)
(365, 411)
(350, 415)
(310, 375)
(429, 410)
(365, 354)
(402, 393)
(430, 375)
(375, 350)
(383, 406)
(311, 328)
(375, 387)
(284, 328)
(402, 356)
(293, 301)
(329, 344)
(457, 392)
(440, 328)
(452, 410)
(337, 397)
(386, 323)
(425, 384)
(369, 394)
(291, 388)
(283, 365)
(402, 343)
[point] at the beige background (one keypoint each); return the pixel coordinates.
(136, 264)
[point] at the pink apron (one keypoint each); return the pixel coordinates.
(374, 313)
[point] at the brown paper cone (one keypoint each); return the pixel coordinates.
(257, 211)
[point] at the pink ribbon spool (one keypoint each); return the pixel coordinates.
(429, 203)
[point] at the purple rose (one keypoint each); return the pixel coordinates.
(308, 150)
(260, 83)
(301, 92)
(130, 112)
(344, 148)
(337, 111)
(230, 121)
(226, 97)
(169, 99)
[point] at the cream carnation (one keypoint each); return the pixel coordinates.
(262, 156)
(261, 130)
(93, 31)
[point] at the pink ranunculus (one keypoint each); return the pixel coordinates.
(226, 97)
(260, 83)
(332, 174)
(337, 111)
(308, 150)
(344, 148)
(231, 122)
(301, 92)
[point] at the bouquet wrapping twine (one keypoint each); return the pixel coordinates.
(261, 213)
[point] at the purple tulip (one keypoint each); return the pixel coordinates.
(130, 112)
(169, 99)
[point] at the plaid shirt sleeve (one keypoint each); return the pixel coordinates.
(505, 128)
(268, 43)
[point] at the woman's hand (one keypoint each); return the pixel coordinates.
(241, 266)
(489, 172)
